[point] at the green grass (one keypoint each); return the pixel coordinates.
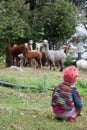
(30, 77)
(30, 109)
(2, 62)
(39, 78)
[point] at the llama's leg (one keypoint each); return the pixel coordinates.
(25, 61)
(40, 64)
(29, 62)
(44, 59)
(17, 61)
(53, 65)
(34, 63)
(61, 65)
(38, 59)
(12, 60)
(50, 62)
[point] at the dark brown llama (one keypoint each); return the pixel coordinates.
(30, 54)
(14, 51)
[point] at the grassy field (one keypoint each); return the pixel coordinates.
(22, 109)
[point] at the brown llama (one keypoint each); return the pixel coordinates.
(30, 54)
(14, 51)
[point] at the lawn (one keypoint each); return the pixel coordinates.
(29, 109)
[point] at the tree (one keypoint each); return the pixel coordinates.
(31, 3)
(58, 20)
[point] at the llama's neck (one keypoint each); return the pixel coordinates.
(31, 47)
(9, 46)
(26, 51)
(47, 52)
(66, 51)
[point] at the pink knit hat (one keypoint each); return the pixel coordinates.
(71, 74)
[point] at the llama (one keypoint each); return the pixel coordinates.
(33, 61)
(15, 51)
(30, 54)
(55, 57)
(39, 48)
(81, 64)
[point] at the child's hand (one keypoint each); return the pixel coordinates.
(79, 114)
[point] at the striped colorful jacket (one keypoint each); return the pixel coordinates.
(64, 98)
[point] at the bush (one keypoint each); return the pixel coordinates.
(70, 60)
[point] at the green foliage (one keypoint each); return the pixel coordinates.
(42, 84)
(12, 23)
(8, 80)
(70, 60)
(60, 21)
(82, 86)
(2, 62)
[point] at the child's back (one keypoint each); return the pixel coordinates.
(66, 100)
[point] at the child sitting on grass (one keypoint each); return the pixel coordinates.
(66, 100)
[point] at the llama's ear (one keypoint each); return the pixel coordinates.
(45, 41)
(26, 45)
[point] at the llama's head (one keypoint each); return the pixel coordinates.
(38, 46)
(27, 47)
(45, 44)
(30, 42)
(66, 49)
(45, 41)
(7, 39)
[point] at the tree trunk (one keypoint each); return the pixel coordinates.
(79, 56)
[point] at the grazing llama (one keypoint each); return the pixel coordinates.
(81, 64)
